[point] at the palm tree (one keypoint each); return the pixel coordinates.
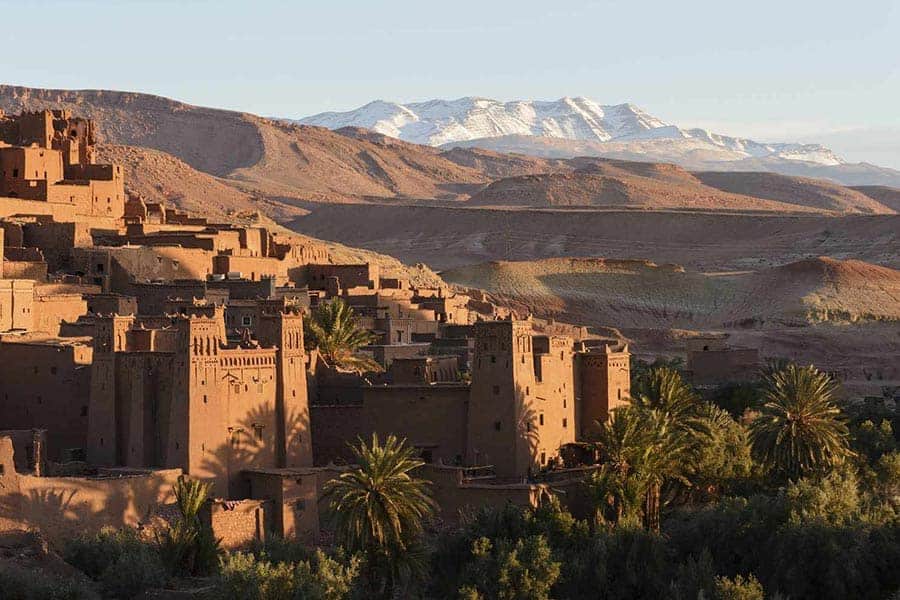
(333, 328)
(799, 430)
(379, 508)
(643, 448)
(663, 388)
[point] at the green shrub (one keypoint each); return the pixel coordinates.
(18, 583)
(242, 575)
(94, 553)
(738, 589)
(134, 573)
(123, 562)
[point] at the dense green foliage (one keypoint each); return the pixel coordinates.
(332, 328)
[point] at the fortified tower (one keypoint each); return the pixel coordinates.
(110, 337)
(501, 422)
(604, 383)
(293, 438)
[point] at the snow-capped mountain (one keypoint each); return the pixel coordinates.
(446, 122)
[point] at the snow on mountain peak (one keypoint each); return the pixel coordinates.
(439, 122)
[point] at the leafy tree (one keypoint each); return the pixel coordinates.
(333, 328)
(379, 508)
(799, 430)
(504, 570)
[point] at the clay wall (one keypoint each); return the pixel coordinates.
(78, 195)
(51, 310)
(238, 523)
(431, 418)
(550, 400)
(350, 276)
(424, 370)
(63, 507)
(56, 240)
(16, 304)
(111, 304)
(46, 384)
(251, 267)
(10, 207)
(19, 164)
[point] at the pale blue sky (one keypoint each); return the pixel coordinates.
(781, 71)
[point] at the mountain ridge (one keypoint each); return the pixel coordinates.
(445, 122)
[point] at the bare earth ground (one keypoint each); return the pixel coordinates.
(451, 237)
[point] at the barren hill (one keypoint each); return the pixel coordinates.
(589, 187)
(161, 177)
(888, 196)
(815, 193)
(643, 294)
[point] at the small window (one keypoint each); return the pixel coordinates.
(565, 422)
(53, 370)
(493, 358)
(496, 390)
(541, 419)
(543, 458)
(497, 425)
(84, 411)
(246, 320)
(619, 392)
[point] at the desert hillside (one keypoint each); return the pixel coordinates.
(631, 293)
(888, 196)
(802, 191)
(593, 188)
(161, 177)
(450, 237)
